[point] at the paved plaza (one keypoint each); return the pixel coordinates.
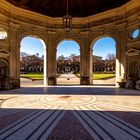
(67, 79)
(70, 113)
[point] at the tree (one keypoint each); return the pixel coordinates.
(72, 55)
(68, 64)
(42, 57)
(110, 61)
(61, 57)
(110, 56)
(37, 54)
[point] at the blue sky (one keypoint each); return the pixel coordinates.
(31, 45)
(104, 46)
(68, 47)
(101, 47)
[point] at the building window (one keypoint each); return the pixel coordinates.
(135, 33)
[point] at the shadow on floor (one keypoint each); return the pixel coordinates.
(68, 124)
(74, 91)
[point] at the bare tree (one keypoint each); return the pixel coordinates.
(37, 54)
(61, 57)
(110, 56)
(110, 61)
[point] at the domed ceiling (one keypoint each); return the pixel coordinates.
(77, 8)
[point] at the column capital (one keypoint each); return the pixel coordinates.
(85, 33)
(14, 25)
(51, 33)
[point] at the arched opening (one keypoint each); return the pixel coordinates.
(3, 73)
(33, 61)
(104, 62)
(68, 63)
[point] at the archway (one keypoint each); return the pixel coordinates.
(104, 62)
(3, 73)
(68, 63)
(33, 60)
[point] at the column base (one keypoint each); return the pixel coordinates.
(15, 83)
(51, 80)
(7, 83)
(85, 80)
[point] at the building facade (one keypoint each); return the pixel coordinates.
(31, 64)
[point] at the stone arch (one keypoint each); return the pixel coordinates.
(4, 61)
(68, 38)
(102, 36)
(4, 74)
(42, 39)
(5, 66)
(77, 67)
(4, 53)
(32, 34)
(116, 46)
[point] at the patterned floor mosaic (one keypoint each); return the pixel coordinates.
(59, 113)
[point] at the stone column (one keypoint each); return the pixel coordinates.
(14, 62)
(51, 59)
(123, 50)
(121, 60)
(120, 52)
(85, 60)
(122, 56)
(45, 63)
(45, 67)
(118, 65)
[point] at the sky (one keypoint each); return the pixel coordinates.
(31, 45)
(101, 47)
(104, 46)
(68, 47)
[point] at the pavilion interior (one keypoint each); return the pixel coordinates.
(90, 20)
(83, 112)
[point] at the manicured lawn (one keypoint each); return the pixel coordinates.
(78, 75)
(39, 76)
(33, 76)
(102, 76)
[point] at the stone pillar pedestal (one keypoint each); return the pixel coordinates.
(14, 83)
(51, 80)
(85, 80)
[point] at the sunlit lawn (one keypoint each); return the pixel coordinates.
(33, 76)
(39, 76)
(102, 76)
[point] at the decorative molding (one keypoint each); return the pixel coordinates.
(132, 52)
(4, 53)
(110, 16)
(85, 33)
(14, 25)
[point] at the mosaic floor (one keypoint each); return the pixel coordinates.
(70, 113)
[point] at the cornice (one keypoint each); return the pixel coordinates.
(133, 43)
(114, 15)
